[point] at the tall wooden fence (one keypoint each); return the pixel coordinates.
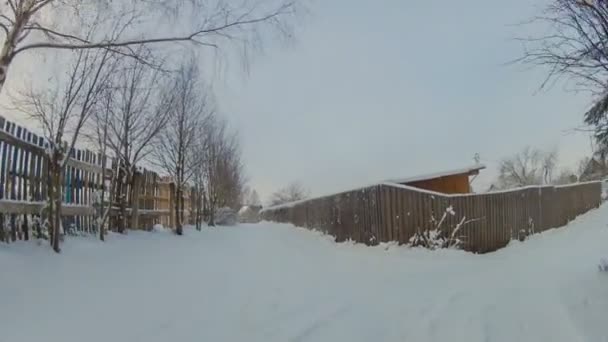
(393, 212)
(24, 179)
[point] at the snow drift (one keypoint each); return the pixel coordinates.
(271, 282)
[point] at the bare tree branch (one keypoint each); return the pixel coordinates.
(224, 20)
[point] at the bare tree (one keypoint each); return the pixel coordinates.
(63, 112)
(549, 164)
(565, 176)
(576, 48)
(173, 150)
(139, 110)
(100, 136)
(27, 25)
(251, 197)
(291, 193)
(582, 166)
(201, 160)
(528, 167)
(224, 169)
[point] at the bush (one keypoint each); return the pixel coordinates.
(440, 237)
(226, 217)
(434, 239)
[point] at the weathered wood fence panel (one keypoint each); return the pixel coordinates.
(483, 222)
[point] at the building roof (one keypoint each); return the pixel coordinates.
(471, 170)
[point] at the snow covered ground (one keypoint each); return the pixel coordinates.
(271, 282)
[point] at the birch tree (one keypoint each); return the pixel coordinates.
(100, 137)
(62, 112)
(223, 168)
(174, 150)
(34, 25)
(139, 110)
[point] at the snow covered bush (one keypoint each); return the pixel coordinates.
(226, 217)
(437, 237)
(158, 228)
(431, 239)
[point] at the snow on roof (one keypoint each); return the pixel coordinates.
(466, 170)
(394, 183)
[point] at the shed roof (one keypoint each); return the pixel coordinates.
(471, 170)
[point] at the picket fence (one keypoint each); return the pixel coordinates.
(24, 179)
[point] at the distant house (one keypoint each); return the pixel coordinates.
(594, 170)
(448, 182)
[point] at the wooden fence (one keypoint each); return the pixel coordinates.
(393, 212)
(24, 179)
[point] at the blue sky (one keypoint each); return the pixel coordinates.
(376, 90)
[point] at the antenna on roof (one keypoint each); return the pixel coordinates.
(476, 158)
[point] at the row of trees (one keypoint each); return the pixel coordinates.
(126, 92)
(533, 166)
(135, 114)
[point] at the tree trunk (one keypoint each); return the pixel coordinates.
(134, 182)
(123, 194)
(178, 200)
(101, 232)
(38, 227)
(57, 223)
(54, 198)
(25, 229)
(122, 226)
(183, 211)
(199, 213)
(21, 20)
(13, 228)
(2, 237)
(6, 55)
(211, 214)
(121, 198)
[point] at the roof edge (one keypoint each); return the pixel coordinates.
(468, 170)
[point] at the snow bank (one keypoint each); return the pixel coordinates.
(271, 282)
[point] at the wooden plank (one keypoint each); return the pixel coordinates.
(396, 209)
(19, 175)
(408, 225)
(383, 215)
(73, 185)
(488, 223)
(373, 214)
(40, 179)
(387, 202)
(417, 211)
(2, 170)
(25, 175)
(32, 177)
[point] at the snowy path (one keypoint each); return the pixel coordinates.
(275, 283)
